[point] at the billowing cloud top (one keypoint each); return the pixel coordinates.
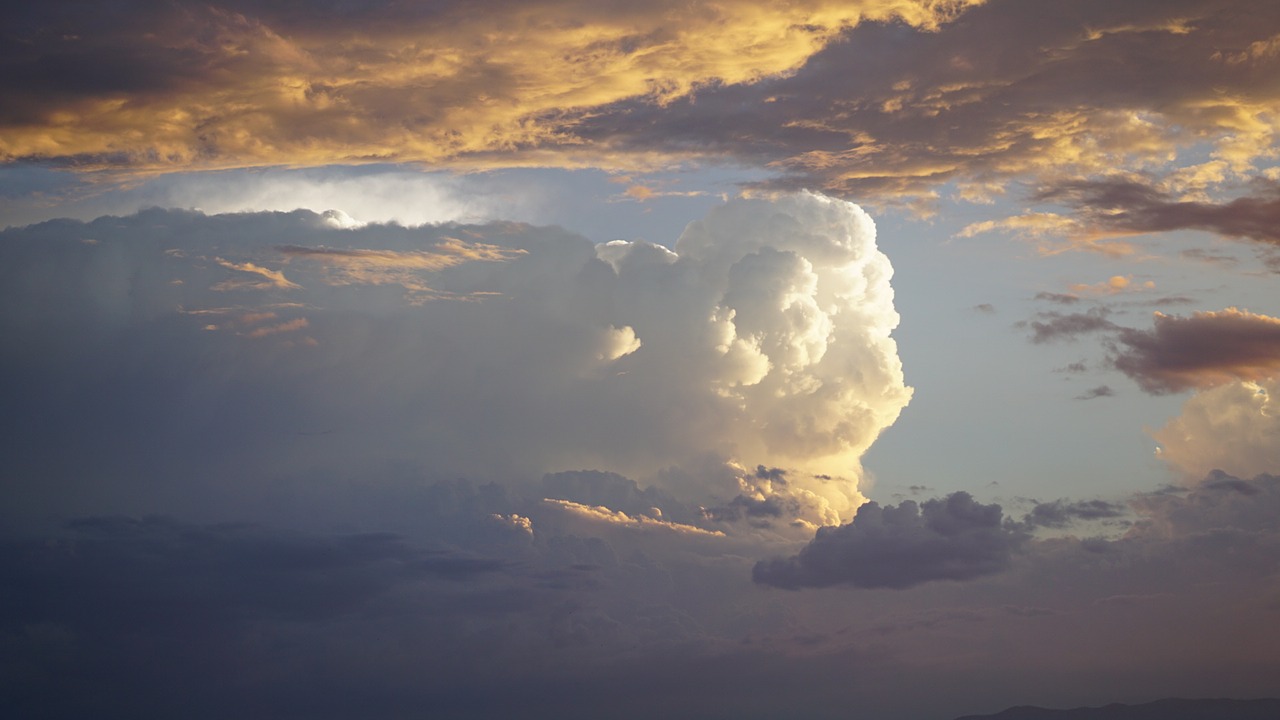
(284, 344)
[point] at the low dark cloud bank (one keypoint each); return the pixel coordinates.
(955, 538)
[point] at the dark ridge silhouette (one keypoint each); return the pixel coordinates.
(1169, 709)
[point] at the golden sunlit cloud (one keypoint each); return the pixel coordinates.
(1232, 427)
(271, 278)
(599, 513)
(268, 90)
(284, 327)
(393, 267)
(1112, 286)
(1053, 234)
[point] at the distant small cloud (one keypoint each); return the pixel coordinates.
(1207, 256)
(1173, 300)
(1053, 326)
(1060, 513)
(1100, 391)
(1060, 298)
(1113, 285)
(986, 308)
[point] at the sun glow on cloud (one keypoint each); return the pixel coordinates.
(270, 88)
(281, 352)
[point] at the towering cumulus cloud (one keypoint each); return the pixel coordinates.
(248, 358)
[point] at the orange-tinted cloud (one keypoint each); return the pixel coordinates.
(1232, 428)
(888, 100)
(359, 266)
(240, 84)
(599, 513)
(284, 327)
(270, 278)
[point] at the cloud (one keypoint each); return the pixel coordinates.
(599, 513)
(1060, 513)
(1059, 298)
(1097, 392)
(272, 278)
(406, 268)
(284, 327)
(1114, 285)
(263, 84)
(1003, 92)
(1220, 506)
(763, 337)
(621, 494)
(1124, 206)
(1202, 350)
(1054, 326)
(897, 547)
(975, 94)
(1231, 427)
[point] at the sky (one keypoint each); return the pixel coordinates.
(893, 359)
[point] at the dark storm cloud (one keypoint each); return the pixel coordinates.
(1054, 326)
(156, 616)
(160, 573)
(1202, 350)
(1125, 206)
(954, 538)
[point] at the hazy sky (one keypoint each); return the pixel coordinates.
(895, 359)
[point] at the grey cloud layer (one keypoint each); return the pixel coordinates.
(900, 546)
(162, 616)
